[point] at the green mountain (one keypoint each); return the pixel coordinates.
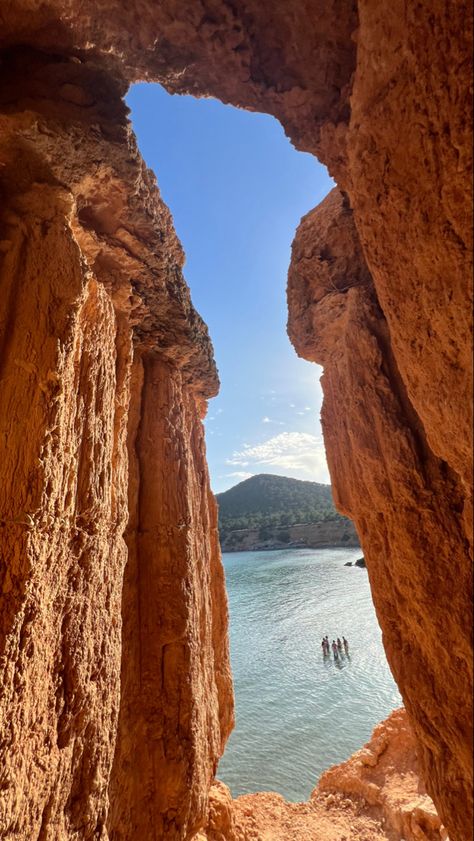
(266, 501)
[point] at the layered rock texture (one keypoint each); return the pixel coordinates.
(376, 795)
(116, 698)
(116, 694)
(407, 503)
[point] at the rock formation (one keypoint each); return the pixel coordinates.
(105, 372)
(383, 778)
(329, 533)
(375, 796)
(407, 503)
(106, 367)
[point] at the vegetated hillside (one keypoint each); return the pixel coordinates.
(267, 502)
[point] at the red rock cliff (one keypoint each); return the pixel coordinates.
(105, 371)
(406, 502)
(379, 291)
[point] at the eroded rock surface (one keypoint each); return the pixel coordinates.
(377, 795)
(93, 295)
(406, 502)
(383, 778)
(176, 699)
(105, 371)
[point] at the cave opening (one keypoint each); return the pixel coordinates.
(117, 695)
(236, 189)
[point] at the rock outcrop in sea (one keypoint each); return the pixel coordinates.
(116, 696)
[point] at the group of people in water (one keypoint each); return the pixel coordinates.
(336, 646)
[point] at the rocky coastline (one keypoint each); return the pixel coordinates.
(326, 535)
(376, 795)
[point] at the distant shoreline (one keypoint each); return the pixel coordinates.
(322, 535)
(286, 547)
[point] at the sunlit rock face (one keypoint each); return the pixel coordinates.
(406, 502)
(116, 697)
(94, 311)
(376, 794)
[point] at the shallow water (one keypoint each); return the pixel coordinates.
(296, 712)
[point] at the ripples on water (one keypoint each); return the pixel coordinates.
(296, 712)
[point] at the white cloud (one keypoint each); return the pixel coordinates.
(297, 452)
(266, 419)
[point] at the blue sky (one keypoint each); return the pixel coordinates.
(237, 190)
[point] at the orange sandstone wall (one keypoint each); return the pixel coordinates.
(406, 502)
(63, 512)
(106, 731)
(176, 696)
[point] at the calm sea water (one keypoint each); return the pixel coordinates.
(297, 714)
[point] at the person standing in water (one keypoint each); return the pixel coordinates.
(324, 647)
(334, 650)
(346, 645)
(339, 644)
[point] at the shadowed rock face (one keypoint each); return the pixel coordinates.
(101, 348)
(176, 700)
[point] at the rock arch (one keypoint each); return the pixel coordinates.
(97, 325)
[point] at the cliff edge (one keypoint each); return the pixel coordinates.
(376, 795)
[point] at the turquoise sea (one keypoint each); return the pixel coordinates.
(297, 713)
